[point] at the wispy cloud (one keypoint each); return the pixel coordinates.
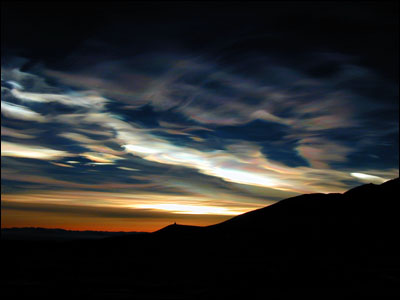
(240, 163)
(319, 152)
(19, 134)
(213, 95)
(107, 157)
(29, 151)
(20, 112)
(368, 178)
(89, 100)
(150, 202)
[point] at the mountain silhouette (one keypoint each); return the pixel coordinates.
(46, 234)
(365, 213)
(336, 242)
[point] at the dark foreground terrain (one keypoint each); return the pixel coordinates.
(317, 244)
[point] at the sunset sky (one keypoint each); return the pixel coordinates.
(134, 116)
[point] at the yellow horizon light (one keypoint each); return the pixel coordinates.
(189, 209)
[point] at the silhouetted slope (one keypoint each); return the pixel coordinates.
(365, 210)
(178, 229)
(345, 239)
(361, 204)
(362, 219)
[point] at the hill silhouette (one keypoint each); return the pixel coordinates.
(365, 214)
(299, 245)
(47, 234)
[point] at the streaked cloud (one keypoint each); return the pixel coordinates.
(180, 142)
(20, 112)
(188, 204)
(28, 151)
(191, 209)
(64, 183)
(80, 138)
(128, 169)
(62, 165)
(369, 178)
(100, 157)
(16, 133)
(88, 100)
(238, 161)
(195, 120)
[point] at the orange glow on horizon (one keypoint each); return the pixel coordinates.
(18, 219)
(107, 211)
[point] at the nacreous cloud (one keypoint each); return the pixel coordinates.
(20, 112)
(215, 95)
(86, 100)
(211, 104)
(239, 163)
(28, 151)
(368, 178)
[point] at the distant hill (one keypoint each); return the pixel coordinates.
(43, 234)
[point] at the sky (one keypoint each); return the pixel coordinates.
(132, 116)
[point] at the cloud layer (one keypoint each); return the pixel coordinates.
(235, 118)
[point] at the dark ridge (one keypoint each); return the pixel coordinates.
(303, 206)
(362, 188)
(56, 234)
(177, 229)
